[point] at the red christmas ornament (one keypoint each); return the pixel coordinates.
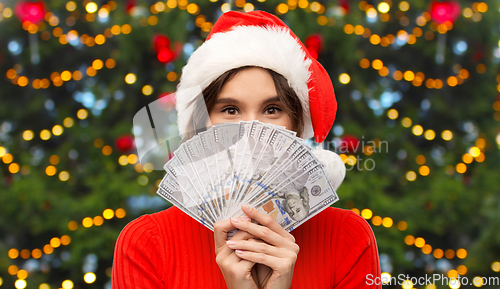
(129, 5)
(166, 55)
(160, 41)
(444, 11)
(161, 45)
(345, 5)
(33, 12)
(349, 144)
(125, 143)
(314, 44)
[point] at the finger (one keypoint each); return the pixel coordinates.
(257, 247)
(225, 251)
(245, 264)
(246, 267)
(261, 232)
(220, 233)
(221, 228)
(264, 259)
(228, 259)
(243, 235)
(267, 221)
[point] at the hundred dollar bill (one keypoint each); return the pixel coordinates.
(262, 156)
(177, 167)
(287, 154)
(275, 151)
(209, 146)
(226, 136)
(294, 202)
(293, 175)
(198, 160)
(188, 167)
(172, 191)
(257, 143)
(241, 154)
(292, 157)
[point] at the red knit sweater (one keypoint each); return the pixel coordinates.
(169, 249)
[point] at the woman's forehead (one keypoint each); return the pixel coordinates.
(249, 84)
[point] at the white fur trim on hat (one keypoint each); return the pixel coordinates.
(269, 47)
(334, 166)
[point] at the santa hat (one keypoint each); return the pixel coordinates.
(258, 38)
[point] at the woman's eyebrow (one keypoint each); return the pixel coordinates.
(227, 100)
(237, 101)
(272, 99)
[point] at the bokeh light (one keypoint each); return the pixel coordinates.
(89, 278)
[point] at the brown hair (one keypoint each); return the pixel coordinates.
(287, 96)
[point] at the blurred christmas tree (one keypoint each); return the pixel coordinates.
(418, 86)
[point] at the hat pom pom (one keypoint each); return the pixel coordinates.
(334, 166)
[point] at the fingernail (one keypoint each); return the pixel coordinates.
(246, 218)
(235, 220)
(238, 251)
(230, 243)
(247, 207)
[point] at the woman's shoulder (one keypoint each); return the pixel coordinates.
(344, 226)
(151, 225)
(343, 216)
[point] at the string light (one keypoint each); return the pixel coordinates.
(449, 254)
(56, 78)
(419, 242)
(424, 171)
(20, 284)
(417, 130)
(416, 78)
(452, 273)
(130, 78)
(147, 90)
(411, 176)
(377, 220)
(71, 6)
(344, 78)
(89, 278)
(82, 114)
(91, 7)
(461, 168)
(447, 135)
(438, 253)
(108, 214)
(387, 222)
(392, 113)
(366, 213)
(495, 266)
(67, 284)
(462, 270)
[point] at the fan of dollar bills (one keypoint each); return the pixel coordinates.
(265, 166)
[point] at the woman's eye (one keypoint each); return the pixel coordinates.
(230, 110)
(272, 110)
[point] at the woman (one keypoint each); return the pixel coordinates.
(251, 67)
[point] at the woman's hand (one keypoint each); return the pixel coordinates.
(278, 250)
(237, 272)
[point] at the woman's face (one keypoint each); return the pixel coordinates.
(249, 95)
(295, 207)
